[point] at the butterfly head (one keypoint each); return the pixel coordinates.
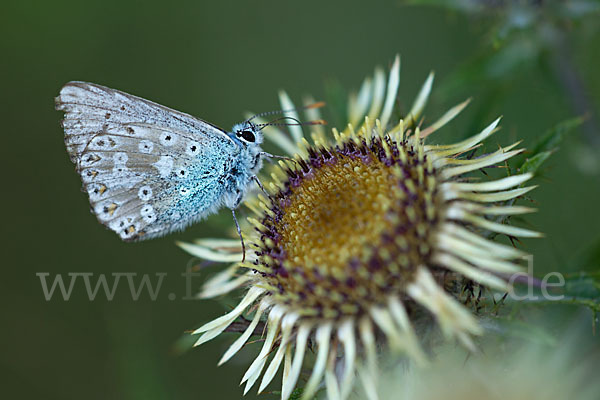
(247, 133)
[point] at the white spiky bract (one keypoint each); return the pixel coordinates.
(346, 347)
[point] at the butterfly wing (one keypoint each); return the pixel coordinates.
(148, 170)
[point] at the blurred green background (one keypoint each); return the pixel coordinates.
(217, 60)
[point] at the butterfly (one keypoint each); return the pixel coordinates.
(149, 170)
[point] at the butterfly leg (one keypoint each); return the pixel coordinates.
(260, 185)
(239, 231)
(269, 156)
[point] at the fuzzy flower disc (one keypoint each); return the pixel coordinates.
(349, 225)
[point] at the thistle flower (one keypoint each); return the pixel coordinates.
(358, 231)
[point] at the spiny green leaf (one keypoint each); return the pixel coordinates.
(490, 67)
(555, 135)
(580, 290)
(585, 286)
(532, 164)
(547, 145)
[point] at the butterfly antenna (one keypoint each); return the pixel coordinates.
(296, 122)
(318, 104)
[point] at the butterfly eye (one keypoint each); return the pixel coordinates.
(248, 136)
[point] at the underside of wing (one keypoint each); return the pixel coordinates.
(147, 169)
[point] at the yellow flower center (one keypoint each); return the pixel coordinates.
(336, 214)
(350, 225)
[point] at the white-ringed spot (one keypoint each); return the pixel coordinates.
(145, 193)
(150, 218)
(120, 158)
(193, 148)
(146, 209)
(167, 139)
(182, 172)
(148, 214)
(145, 146)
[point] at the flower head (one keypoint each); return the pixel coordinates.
(356, 233)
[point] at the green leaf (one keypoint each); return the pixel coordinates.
(580, 289)
(547, 145)
(491, 67)
(555, 135)
(532, 164)
(583, 289)
(584, 286)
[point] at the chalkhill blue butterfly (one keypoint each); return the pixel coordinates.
(150, 170)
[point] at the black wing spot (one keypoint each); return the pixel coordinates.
(107, 115)
(122, 108)
(130, 130)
